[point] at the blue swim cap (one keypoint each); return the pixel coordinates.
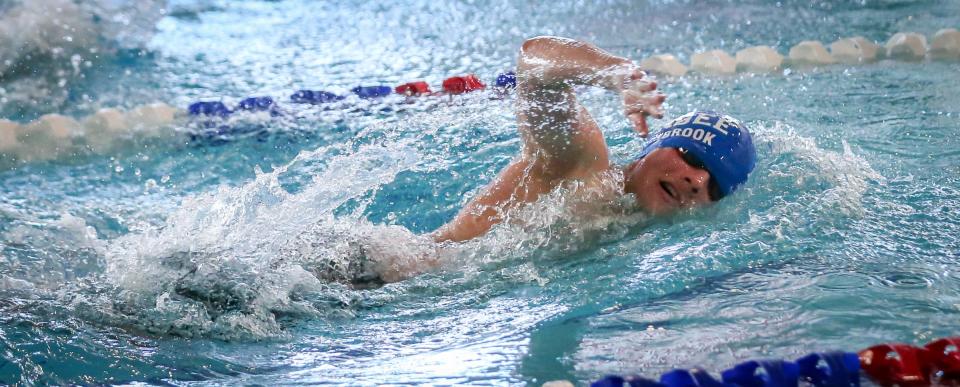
(721, 142)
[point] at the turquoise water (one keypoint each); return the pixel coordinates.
(185, 258)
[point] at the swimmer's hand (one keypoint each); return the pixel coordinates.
(394, 267)
(641, 100)
(397, 254)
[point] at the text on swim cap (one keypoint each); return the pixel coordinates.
(718, 123)
(696, 134)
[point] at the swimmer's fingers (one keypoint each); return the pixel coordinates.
(639, 121)
(636, 74)
(643, 85)
(639, 106)
(650, 104)
(655, 108)
(641, 100)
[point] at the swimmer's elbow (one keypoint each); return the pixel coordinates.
(540, 47)
(448, 233)
(533, 45)
(440, 235)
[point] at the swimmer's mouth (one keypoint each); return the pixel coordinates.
(669, 190)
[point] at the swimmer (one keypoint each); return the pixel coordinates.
(695, 160)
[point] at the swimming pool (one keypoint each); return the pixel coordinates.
(846, 236)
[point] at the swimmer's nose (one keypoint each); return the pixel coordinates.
(695, 184)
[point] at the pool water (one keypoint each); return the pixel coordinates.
(187, 257)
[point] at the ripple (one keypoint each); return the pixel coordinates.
(782, 305)
(907, 280)
(842, 281)
(919, 308)
(817, 251)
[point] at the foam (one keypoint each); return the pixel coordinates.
(8, 283)
(847, 175)
(226, 262)
(71, 249)
(854, 50)
(714, 62)
(945, 44)
(68, 31)
(567, 220)
(759, 59)
(810, 52)
(664, 64)
(906, 45)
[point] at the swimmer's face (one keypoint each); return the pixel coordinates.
(663, 182)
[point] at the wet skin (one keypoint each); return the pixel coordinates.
(663, 182)
(562, 142)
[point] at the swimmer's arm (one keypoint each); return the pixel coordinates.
(550, 117)
(486, 209)
(559, 63)
(397, 268)
(560, 139)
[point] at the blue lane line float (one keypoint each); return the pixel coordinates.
(690, 378)
(507, 80)
(632, 381)
(208, 108)
(772, 373)
(368, 92)
(453, 85)
(314, 97)
(831, 369)
(256, 104)
(823, 369)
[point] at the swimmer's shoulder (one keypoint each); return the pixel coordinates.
(599, 193)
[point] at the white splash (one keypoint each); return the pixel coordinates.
(847, 176)
(227, 263)
(73, 32)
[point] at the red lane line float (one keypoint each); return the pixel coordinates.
(944, 354)
(462, 84)
(453, 85)
(896, 364)
(413, 88)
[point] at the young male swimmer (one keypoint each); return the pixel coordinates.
(697, 159)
